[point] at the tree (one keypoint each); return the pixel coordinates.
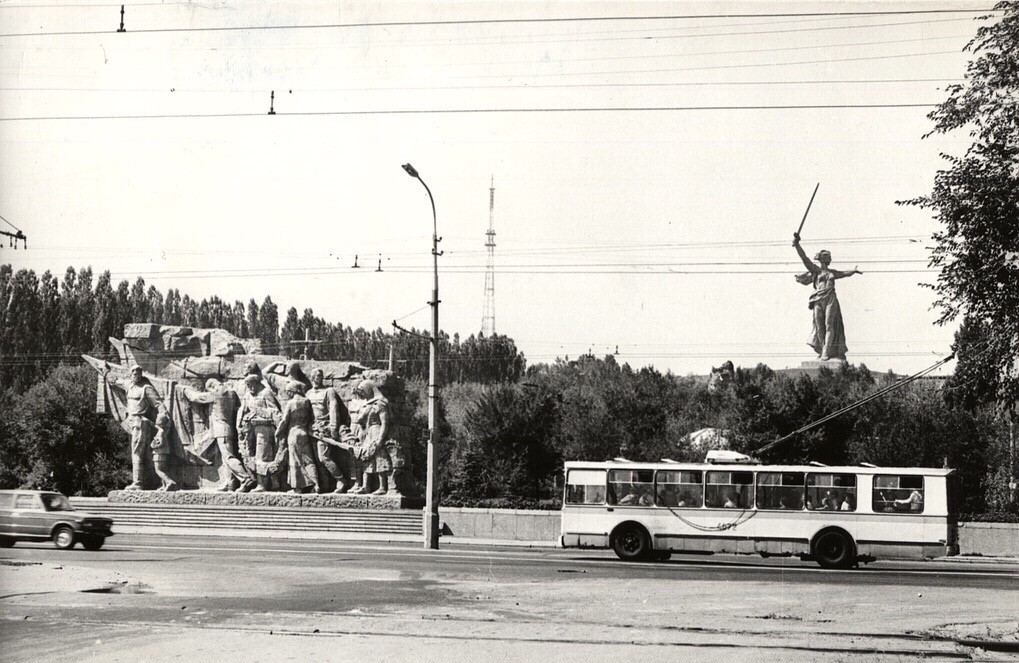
(56, 441)
(976, 197)
(269, 326)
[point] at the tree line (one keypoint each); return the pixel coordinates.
(46, 321)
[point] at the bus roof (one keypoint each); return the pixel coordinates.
(754, 467)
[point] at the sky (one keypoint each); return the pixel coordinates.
(650, 161)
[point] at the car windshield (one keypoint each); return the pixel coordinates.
(56, 503)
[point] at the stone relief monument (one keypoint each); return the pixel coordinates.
(209, 415)
(828, 333)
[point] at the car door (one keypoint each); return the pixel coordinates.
(6, 521)
(28, 515)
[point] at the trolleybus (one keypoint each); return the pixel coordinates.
(836, 516)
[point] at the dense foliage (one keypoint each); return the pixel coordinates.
(595, 409)
(976, 197)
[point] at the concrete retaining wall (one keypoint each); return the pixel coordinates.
(999, 539)
(500, 524)
(991, 539)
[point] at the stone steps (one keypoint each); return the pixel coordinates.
(353, 524)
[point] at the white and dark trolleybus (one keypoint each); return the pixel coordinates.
(836, 516)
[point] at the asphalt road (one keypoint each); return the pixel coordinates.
(178, 598)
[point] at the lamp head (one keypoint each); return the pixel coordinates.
(410, 170)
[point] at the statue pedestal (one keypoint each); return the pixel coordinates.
(833, 364)
(267, 499)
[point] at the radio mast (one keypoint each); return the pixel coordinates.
(488, 317)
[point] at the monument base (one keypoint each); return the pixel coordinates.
(308, 500)
(833, 364)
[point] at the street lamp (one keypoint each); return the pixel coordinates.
(431, 516)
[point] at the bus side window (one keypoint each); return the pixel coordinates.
(729, 490)
(631, 487)
(898, 493)
(679, 488)
(780, 490)
(585, 487)
(831, 492)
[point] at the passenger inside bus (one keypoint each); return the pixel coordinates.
(731, 501)
(636, 496)
(846, 504)
(912, 503)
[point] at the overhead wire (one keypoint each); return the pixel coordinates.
(474, 111)
(10, 224)
(493, 21)
(515, 86)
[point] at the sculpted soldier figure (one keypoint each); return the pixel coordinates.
(828, 335)
(161, 453)
(143, 408)
(294, 435)
(332, 423)
(223, 405)
(257, 419)
(381, 456)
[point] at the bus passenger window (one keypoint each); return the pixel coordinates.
(780, 490)
(632, 487)
(902, 494)
(729, 490)
(679, 488)
(831, 492)
(585, 487)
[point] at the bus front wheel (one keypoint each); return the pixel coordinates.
(834, 549)
(632, 543)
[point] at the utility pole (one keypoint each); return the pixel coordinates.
(488, 316)
(306, 344)
(431, 515)
(392, 350)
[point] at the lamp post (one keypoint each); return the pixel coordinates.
(431, 515)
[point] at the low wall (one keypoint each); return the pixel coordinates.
(990, 539)
(500, 524)
(999, 539)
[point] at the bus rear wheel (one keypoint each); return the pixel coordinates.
(632, 543)
(834, 549)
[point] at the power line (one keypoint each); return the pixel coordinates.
(501, 21)
(538, 251)
(178, 90)
(470, 111)
(10, 224)
(718, 66)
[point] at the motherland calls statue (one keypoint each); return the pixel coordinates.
(828, 335)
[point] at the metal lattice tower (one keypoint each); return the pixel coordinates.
(488, 317)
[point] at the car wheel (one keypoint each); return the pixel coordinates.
(63, 537)
(631, 543)
(834, 550)
(93, 542)
(6, 543)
